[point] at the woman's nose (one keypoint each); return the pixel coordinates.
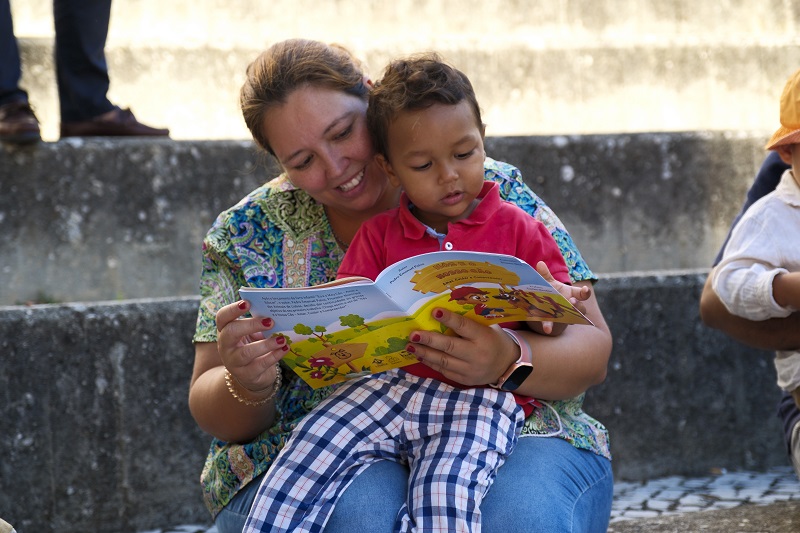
(335, 163)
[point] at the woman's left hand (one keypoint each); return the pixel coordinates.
(477, 355)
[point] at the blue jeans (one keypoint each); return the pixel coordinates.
(546, 485)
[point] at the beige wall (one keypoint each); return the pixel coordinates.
(540, 67)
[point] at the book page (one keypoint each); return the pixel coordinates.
(342, 330)
(488, 288)
(336, 332)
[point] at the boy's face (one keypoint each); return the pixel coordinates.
(790, 154)
(436, 155)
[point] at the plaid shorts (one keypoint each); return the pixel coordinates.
(453, 440)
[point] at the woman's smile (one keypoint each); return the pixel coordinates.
(353, 183)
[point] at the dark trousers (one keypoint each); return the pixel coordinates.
(81, 70)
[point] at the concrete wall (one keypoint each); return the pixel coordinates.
(103, 220)
(94, 428)
(95, 432)
(539, 67)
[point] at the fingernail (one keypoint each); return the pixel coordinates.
(267, 323)
(416, 337)
(285, 348)
(410, 348)
(242, 305)
(281, 340)
(438, 313)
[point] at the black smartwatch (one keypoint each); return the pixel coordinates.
(520, 369)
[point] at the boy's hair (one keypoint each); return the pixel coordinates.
(412, 83)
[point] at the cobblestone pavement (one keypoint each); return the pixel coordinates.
(671, 496)
(678, 495)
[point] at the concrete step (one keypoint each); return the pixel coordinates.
(108, 378)
(539, 67)
(102, 219)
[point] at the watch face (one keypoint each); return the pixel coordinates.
(517, 377)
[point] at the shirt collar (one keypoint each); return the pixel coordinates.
(788, 190)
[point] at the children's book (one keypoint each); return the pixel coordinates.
(353, 326)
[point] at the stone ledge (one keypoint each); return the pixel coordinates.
(101, 219)
(93, 404)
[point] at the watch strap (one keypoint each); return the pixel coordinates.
(525, 352)
(525, 360)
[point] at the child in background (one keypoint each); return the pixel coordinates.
(426, 126)
(759, 275)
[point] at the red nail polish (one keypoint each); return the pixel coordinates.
(438, 313)
(415, 337)
(267, 322)
(281, 340)
(411, 348)
(285, 348)
(242, 305)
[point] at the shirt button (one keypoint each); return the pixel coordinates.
(448, 245)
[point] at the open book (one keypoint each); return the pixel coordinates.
(353, 326)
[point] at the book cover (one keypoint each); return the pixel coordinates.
(354, 327)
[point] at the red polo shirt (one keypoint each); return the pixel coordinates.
(494, 226)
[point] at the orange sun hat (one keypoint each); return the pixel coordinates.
(789, 132)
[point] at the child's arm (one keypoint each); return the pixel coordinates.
(786, 290)
(772, 334)
(574, 295)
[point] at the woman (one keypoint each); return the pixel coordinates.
(305, 103)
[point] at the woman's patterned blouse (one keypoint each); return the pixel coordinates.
(278, 236)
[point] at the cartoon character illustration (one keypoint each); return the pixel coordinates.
(557, 310)
(522, 300)
(477, 298)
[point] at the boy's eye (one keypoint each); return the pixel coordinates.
(421, 167)
(465, 154)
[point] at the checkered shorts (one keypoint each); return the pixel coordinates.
(453, 440)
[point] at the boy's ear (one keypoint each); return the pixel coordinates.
(483, 131)
(387, 169)
(785, 153)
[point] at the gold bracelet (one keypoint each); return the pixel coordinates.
(254, 403)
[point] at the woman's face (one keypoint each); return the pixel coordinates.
(321, 140)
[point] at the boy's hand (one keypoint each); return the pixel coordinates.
(574, 295)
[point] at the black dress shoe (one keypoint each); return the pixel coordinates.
(18, 124)
(116, 123)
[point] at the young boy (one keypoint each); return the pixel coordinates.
(759, 275)
(427, 129)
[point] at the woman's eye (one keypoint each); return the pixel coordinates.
(344, 133)
(303, 164)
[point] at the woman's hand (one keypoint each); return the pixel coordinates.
(242, 350)
(248, 355)
(564, 366)
(477, 355)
